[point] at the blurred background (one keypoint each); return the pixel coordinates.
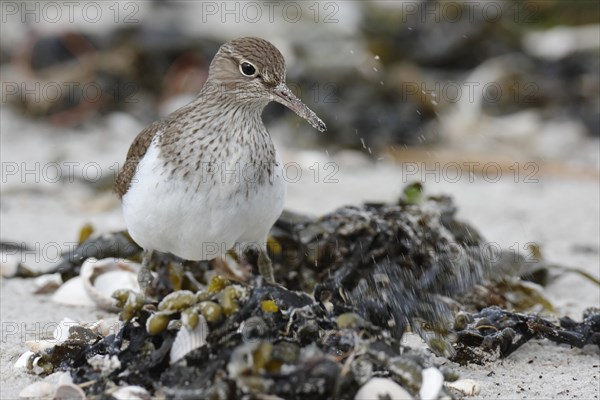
(489, 101)
(469, 74)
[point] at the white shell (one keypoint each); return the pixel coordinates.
(102, 277)
(97, 282)
(47, 283)
(188, 340)
(9, 264)
(24, 360)
(381, 388)
(69, 391)
(433, 380)
(131, 393)
(38, 390)
(37, 346)
(468, 387)
(105, 327)
(61, 332)
(72, 293)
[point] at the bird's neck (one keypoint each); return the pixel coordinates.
(217, 126)
(229, 111)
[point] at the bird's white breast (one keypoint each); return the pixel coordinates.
(205, 214)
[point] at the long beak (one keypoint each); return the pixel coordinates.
(283, 95)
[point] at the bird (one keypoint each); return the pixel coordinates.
(208, 178)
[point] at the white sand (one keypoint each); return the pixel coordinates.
(561, 214)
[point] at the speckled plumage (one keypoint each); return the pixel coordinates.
(208, 174)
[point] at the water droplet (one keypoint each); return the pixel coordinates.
(363, 143)
(376, 57)
(418, 112)
(375, 69)
(435, 103)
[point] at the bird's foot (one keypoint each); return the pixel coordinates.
(265, 267)
(145, 277)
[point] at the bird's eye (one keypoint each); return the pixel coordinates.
(247, 69)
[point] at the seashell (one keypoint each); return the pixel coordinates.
(177, 301)
(131, 393)
(382, 388)
(73, 293)
(9, 265)
(101, 278)
(97, 281)
(61, 332)
(433, 380)
(38, 390)
(467, 387)
(38, 346)
(105, 327)
(188, 340)
(69, 391)
(25, 361)
(45, 284)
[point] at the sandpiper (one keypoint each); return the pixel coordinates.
(208, 177)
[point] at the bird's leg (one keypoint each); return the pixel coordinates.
(145, 275)
(264, 266)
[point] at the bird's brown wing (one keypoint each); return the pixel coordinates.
(134, 155)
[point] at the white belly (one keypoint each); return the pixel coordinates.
(199, 220)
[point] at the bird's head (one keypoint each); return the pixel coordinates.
(252, 70)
